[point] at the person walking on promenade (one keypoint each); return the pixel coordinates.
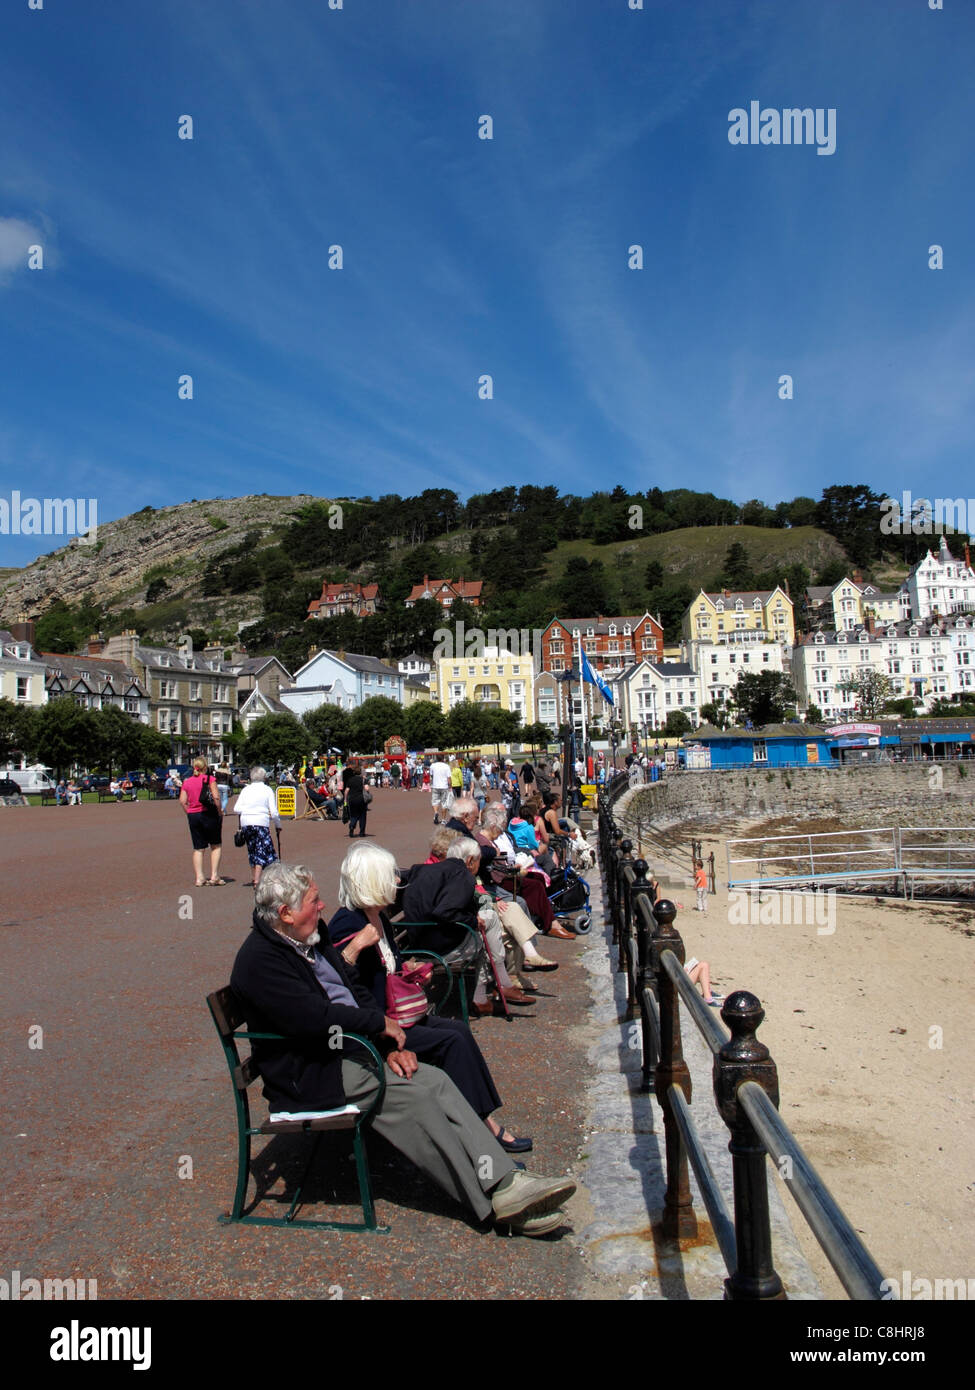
(440, 793)
(200, 800)
(357, 799)
(256, 806)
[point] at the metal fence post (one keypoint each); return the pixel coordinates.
(635, 977)
(625, 857)
(679, 1221)
(744, 1058)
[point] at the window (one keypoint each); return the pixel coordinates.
(759, 751)
(195, 690)
(167, 690)
(23, 687)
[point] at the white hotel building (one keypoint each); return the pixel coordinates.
(927, 661)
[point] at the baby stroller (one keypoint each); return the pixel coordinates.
(568, 891)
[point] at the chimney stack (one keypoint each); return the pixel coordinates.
(23, 629)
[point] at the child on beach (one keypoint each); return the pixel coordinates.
(701, 884)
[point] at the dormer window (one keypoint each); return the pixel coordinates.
(841, 638)
(719, 606)
(757, 604)
(612, 629)
(739, 606)
(820, 639)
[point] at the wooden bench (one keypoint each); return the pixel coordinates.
(49, 797)
(227, 1014)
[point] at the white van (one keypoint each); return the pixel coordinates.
(32, 780)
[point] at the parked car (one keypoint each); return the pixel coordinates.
(93, 782)
(9, 788)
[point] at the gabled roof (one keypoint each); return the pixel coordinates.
(601, 623)
(462, 588)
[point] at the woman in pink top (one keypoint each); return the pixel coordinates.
(205, 822)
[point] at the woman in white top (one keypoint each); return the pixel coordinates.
(256, 808)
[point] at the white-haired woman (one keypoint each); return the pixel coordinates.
(360, 930)
(256, 808)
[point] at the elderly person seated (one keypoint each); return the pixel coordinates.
(73, 793)
(361, 931)
(291, 981)
(445, 893)
(518, 929)
(322, 798)
(530, 886)
(256, 806)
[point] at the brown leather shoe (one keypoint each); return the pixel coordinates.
(517, 996)
(484, 1010)
(560, 933)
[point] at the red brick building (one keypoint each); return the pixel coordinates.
(446, 592)
(359, 599)
(609, 643)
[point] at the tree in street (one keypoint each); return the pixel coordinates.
(426, 725)
(62, 734)
(872, 689)
(331, 721)
(376, 720)
(763, 697)
(274, 739)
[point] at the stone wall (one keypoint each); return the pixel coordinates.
(869, 795)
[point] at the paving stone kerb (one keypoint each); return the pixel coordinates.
(896, 794)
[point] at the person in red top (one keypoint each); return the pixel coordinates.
(205, 822)
(701, 884)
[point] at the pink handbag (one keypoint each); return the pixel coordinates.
(406, 1002)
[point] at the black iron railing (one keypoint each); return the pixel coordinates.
(746, 1092)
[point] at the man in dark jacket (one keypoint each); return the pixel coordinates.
(291, 980)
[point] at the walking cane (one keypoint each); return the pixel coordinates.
(494, 970)
(277, 831)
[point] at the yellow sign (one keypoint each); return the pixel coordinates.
(812, 752)
(589, 794)
(286, 801)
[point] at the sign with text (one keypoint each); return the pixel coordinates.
(286, 802)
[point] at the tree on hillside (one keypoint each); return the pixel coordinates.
(763, 697)
(582, 588)
(737, 569)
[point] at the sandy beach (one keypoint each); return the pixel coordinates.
(869, 1025)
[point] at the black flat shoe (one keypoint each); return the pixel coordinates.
(516, 1145)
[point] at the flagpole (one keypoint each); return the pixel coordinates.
(582, 694)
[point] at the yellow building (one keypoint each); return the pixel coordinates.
(740, 618)
(495, 679)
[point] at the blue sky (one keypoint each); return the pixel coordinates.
(463, 256)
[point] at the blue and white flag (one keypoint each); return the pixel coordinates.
(588, 674)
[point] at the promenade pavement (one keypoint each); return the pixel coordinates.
(118, 1138)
